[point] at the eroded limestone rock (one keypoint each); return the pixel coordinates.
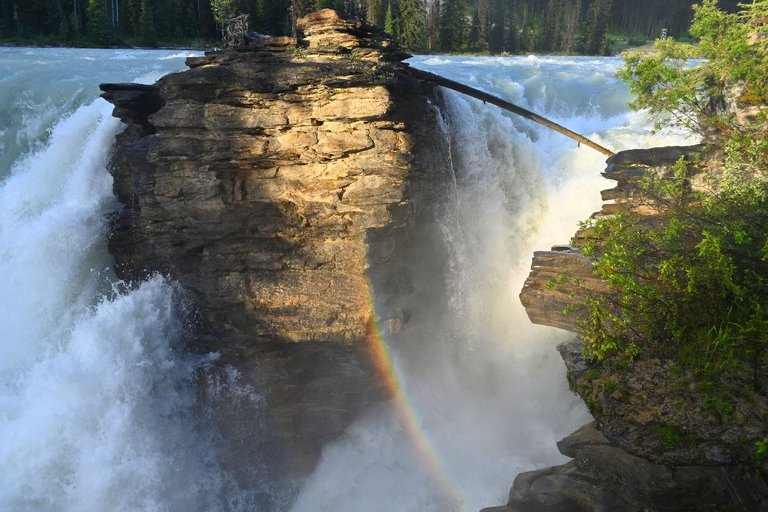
(669, 444)
(287, 188)
(561, 279)
(604, 478)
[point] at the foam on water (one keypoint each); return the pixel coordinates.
(96, 393)
(487, 387)
(96, 396)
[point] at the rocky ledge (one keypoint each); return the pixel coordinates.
(660, 441)
(288, 186)
(605, 478)
(562, 277)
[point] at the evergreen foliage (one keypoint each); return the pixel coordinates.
(147, 34)
(444, 25)
(597, 23)
(389, 21)
(375, 12)
(692, 284)
(413, 27)
(98, 28)
(223, 11)
(453, 23)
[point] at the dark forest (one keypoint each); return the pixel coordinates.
(496, 26)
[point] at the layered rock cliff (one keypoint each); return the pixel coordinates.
(658, 443)
(562, 277)
(287, 186)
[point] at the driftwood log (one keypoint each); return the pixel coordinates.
(488, 98)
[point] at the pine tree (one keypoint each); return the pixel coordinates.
(98, 28)
(389, 21)
(223, 11)
(147, 33)
(277, 20)
(452, 25)
(167, 18)
(497, 30)
(571, 26)
(30, 17)
(597, 22)
(479, 36)
(413, 25)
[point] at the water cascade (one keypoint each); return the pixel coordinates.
(485, 388)
(96, 391)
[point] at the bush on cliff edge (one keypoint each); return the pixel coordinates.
(692, 283)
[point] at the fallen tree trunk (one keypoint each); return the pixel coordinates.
(488, 98)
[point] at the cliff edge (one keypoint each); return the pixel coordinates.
(288, 186)
(660, 442)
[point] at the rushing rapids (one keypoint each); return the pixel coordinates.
(97, 390)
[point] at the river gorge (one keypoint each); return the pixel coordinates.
(109, 393)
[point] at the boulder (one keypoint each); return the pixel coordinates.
(605, 478)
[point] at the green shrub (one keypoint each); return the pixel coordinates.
(692, 283)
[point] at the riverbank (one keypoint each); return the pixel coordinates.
(618, 47)
(47, 43)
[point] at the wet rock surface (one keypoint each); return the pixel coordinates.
(664, 440)
(287, 187)
(605, 478)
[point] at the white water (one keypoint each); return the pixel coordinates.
(95, 393)
(489, 386)
(95, 397)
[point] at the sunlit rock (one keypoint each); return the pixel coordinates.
(281, 186)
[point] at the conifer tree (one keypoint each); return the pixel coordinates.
(452, 25)
(413, 25)
(497, 31)
(98, 28)
(480, 22)
(223, 11)
(597, 23)
(571, 26)
(389, 21)
(147, 32)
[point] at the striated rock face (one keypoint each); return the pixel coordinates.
(287, 188)
(563, 277)
(604, 478)
(557, 279)
(651, 409)
(664, 442)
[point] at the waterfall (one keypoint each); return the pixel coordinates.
(96, 396)
(96, 392)
(485, 387)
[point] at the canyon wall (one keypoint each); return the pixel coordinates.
(656, 444)
(289, 186)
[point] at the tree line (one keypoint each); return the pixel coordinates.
(514, 26)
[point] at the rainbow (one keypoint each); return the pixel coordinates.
(386, 369)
